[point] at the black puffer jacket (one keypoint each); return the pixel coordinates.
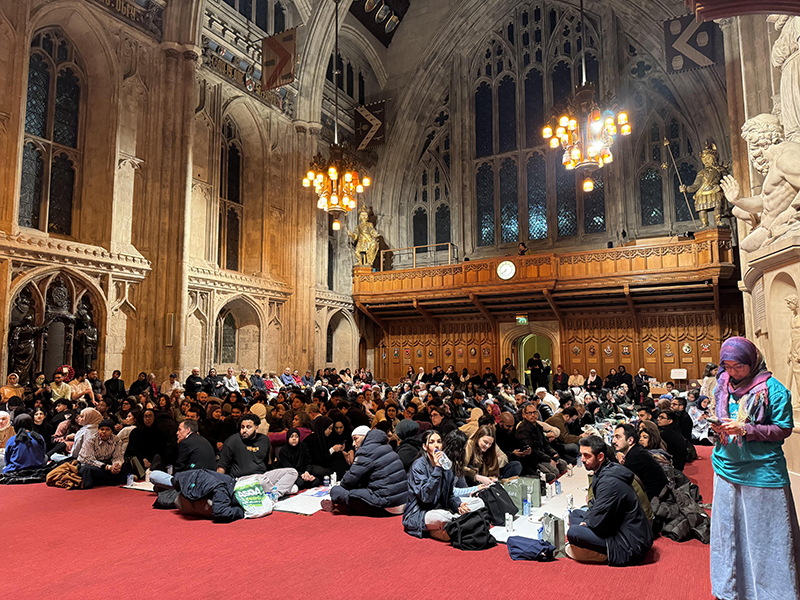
(197, 484)
(378, 470)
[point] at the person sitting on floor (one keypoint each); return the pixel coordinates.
(146, 444)
(614, 528)
(376, 483)
(566, 444)
(541, 457)
(194, 452)
(26, 448)
(671, 435)
(102, 458)
(410, 443)
(637, 459)
(89, 419)
(249, 454)
(295, 455)
(431, 502)
(485, 462)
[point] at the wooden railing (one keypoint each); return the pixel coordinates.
(706, 257)
(431, 253)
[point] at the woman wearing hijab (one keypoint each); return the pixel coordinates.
(593, 382)
(321, 449)
(471, 426)
(295, 455)
(146, 442)
(11, 389)
(261, 411)
(213, 427)
(610, 381)
(89, 419)
(26, 449)
(410, 443)
(754, 509)
(139, 386)
(700, 425)
(6, 429)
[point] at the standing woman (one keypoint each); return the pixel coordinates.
(754, 510)
(709, 383)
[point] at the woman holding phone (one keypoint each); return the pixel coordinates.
(753, 506)
(431, 502)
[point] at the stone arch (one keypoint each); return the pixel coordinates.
(79, 287)
(244, 349)
(779, 315)
(366, 48)
(345, 337)
(510, 332)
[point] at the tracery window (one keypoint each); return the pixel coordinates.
(268, 15)
(52, 144)
(226, 338)
(349, 78)
(230, 197)
(517, 80)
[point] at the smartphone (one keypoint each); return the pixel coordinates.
(714, 420)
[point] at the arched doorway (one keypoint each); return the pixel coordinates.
(237, 339)
(526, 348)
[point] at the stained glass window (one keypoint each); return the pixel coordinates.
(650, 198)
(566, 207)
(420, 227)
(594, 205)
(484, 184)
(62, 189)
(534, 107)
(280, 18)
(228, 346)
(688, 174)
(234, 174)
(562, 82)
(442, 225)
(593, 71)
(537, 197)
(509, 202)
(507, 114)
(30, 196)
(232, 240)
(38, 97)
(483, 120)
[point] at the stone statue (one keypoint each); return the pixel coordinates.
(708, 194)
(366, 238)
(786, 57)
(774, 211)
(22, 347)
(85, 344)
(793, 358)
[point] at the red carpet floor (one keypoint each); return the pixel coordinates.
(108, 543)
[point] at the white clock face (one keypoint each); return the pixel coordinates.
(506, 269)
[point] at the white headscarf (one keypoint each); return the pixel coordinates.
(4, 418)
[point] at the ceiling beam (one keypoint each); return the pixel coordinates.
(549, 297)
(489, 317)
(372, 317)
(428, 316)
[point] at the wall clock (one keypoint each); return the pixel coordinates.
(506, 270)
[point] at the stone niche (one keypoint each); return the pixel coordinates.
(772, 276)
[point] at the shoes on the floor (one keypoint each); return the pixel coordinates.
(294, 490)
(584, 555)
(440, 534)
(327, 505)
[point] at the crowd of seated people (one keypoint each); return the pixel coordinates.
(382, 443)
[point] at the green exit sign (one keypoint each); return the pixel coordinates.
(522, 319)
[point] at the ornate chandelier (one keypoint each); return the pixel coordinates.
(584, 132)
(336, 180)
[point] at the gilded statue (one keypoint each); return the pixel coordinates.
(708, 194)
(366, 239)
(773, 212)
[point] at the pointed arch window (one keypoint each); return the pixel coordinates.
(52, 144)
(226, 338)
(517, 81)
(230, 197)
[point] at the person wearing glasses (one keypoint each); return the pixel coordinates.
(754, 516)
(667, 423)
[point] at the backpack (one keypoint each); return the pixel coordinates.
(522, 548)
(470, 531)
(498, 503)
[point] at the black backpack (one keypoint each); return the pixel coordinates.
(470, 531)
(498, 503)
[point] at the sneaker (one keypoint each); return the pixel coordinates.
(294, 490)
(327, 505)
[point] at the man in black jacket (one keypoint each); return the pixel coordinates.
(671, 435)
(541, 457)
(194, 452)
(614, 528)
(685, 423)
(635, 458)
(376, 483)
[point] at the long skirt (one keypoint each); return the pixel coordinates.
(755, 543)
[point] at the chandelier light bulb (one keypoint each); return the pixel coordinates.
(575, 154)
(561, 131)
(626, 129)
(573, 124)
(334, 199)
(563, 121)
(366, 181)
(359, 188)
(336, 226)
(609, 158)
(348, 177)
(592, 152)
(319, 177)
(554, 143)
(306, 183)
(588, 185)
(570, 166)
(612, 130)
(311, 175)
(547, 132)
(566, 158)
(622, 118)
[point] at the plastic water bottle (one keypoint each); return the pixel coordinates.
(526, 507)
(580, 462)
(446, 463)
(334, 479)
(275, 495)
(130, 479)
(326, 481)
(558, 487)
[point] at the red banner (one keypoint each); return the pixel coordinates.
(278, 59)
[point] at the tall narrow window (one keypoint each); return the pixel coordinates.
(537, 197)
(483, 120)
(340, 74)
(484, 184)
(361, 91)
(509, 202)
(350, 81)
(507, 114)
(421, 229)
(246, 9)
(280, 18)
(442, 226)
(684, 206)
(534, 108)
(594, 205)
(651, 199)
(262, 14)
(227, 340)
(562, 82)
(565, 202)
(51, 153)
(230, 200)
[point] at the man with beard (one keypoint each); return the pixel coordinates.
(249, 454)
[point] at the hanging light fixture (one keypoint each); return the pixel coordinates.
(335, 180)
(583, 131)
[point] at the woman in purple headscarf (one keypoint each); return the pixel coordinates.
(753, 514)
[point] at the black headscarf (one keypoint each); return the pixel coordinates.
(318, 445)
(340, 438)
(23, 426)
(294, 457)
